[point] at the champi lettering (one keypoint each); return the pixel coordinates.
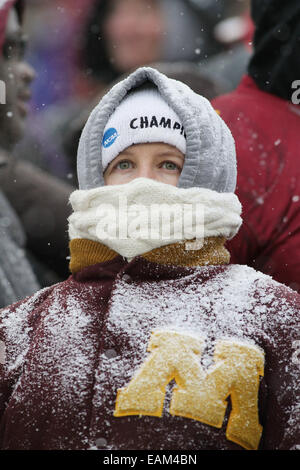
(143, 122)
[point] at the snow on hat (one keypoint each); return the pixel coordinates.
(5, 6)
(142, 117)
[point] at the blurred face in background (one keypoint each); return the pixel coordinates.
(17, 76)
(134, 31)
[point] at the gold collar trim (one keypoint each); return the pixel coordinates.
(86, 253)
(213, 252)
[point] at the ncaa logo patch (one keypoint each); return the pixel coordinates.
(109, 137)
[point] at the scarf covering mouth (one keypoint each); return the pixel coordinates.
(137, 217)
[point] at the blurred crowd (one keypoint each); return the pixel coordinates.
(79, 48)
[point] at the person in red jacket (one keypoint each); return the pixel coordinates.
(155, 341)
(264, 116)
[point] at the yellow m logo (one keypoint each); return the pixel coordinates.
(199, 395)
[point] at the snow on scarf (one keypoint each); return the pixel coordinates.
(221, 214)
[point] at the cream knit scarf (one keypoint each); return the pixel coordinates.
(142, 215)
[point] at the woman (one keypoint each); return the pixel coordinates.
(92, 362)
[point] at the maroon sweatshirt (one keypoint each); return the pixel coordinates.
(142, 355)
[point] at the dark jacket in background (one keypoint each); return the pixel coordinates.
(33, 216)
(41, 201)
(17, 279)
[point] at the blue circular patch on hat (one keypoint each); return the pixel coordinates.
(109, 137)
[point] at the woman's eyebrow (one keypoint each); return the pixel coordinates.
(170, 153)
(125, 152)
(163, 153)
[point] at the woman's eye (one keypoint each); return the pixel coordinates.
(170, 166)
(124, 165)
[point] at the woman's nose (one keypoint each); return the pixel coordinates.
(146, 172)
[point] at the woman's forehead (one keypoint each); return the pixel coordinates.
(153, 148)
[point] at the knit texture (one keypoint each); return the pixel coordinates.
(142, 215)
(212, 253)
(86, 253)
